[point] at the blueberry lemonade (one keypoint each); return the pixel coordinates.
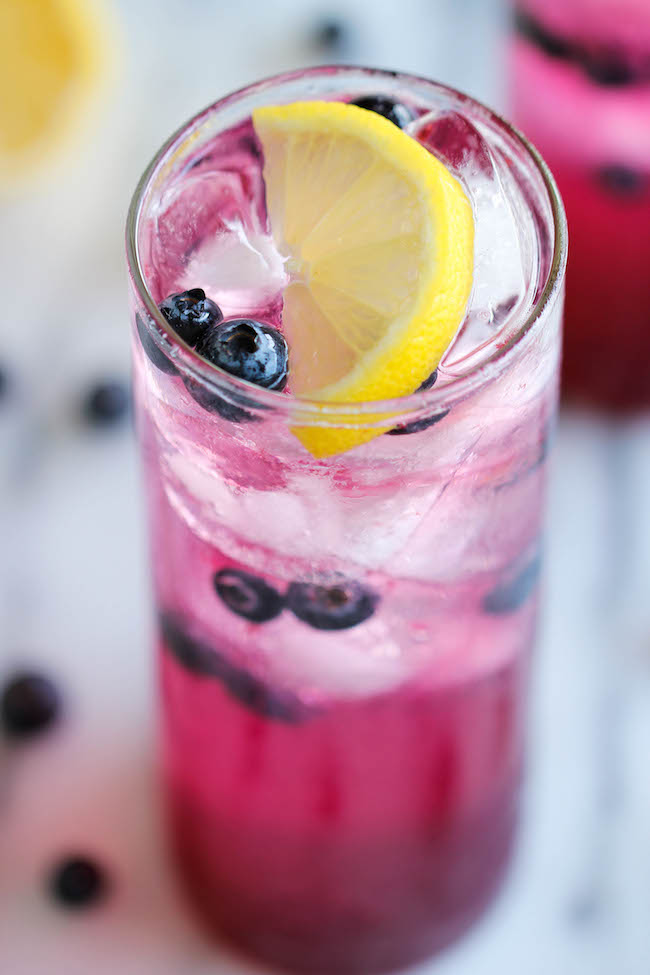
(580, 89)
(346, 293)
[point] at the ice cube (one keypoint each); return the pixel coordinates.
(500, 273)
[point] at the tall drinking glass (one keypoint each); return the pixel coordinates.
(343, 643)
(580, 89)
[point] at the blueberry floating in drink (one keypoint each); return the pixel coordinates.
(247, 595)
(336, 607)
(395, 112)
(152, 350)
(203, 661)
(416, 426)
(29, 704)
(78, 882)
(192, 654)
(247, 349)
(510, 595)
(622, 181)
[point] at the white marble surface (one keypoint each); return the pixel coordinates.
(73, 572)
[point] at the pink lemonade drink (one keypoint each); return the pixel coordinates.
(344, 639)
(580, 89)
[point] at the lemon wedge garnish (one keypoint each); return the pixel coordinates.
(55, 56)
(378, 238)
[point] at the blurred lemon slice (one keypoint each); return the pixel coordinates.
(379, 240)
(56, 55)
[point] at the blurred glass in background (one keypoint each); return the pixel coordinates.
(580, 89)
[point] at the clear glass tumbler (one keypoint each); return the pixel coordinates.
(343, 643)
(579, 83)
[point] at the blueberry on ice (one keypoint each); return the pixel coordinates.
(29, 704)
(336, 607)
(247, 595)
(190, 314)
(510, 595)
(394, 111)
(78, 882)
(249, 350)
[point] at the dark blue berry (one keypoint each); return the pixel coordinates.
(622, 180)
(29, 704)
(107, 403)
(214, 403)
(190, 314)
(191, 653)
(251, 691)
(152, 350)
(416, 426)
(547, 41)
(330, 34)
(78, 882)
(607, 68)
(247, 595)
(335, 607)
(394, 111)
(511, 594)
(249, 350)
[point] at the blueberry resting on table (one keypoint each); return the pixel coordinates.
(106, 403)
(78, 882)
(29, 703)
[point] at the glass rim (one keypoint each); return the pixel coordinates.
(310, 410)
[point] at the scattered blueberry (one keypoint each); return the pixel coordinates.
(511, 595)
(547, 41)
(152, 350)
(416, 426)
(29, 703)
(394, 111)
(247, 595)
(249, 350)
(251, 691)
(622, 180)
(106, 403)
(78, 882)
(330, 34)
(336, 607)
(190, 314)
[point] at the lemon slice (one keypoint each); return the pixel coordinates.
(379, 241)
(55, 56)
